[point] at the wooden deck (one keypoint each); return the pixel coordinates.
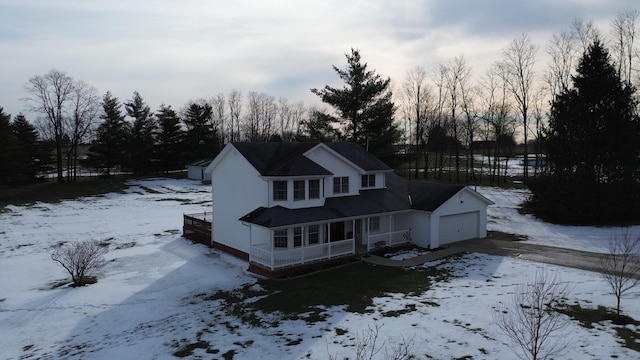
(197, 227)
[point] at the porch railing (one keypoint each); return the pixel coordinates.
(276, 259)
(392, 238)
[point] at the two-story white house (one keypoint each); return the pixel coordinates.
(287, 205)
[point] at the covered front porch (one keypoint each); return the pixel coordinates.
(287, 247)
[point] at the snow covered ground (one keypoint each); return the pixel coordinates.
(148, 302)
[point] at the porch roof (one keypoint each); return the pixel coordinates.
(426, 196)
(370, 202)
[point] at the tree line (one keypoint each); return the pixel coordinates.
(448, 123)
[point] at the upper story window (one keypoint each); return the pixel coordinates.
(280, 191)
(298, 190)
(368, 180)
(341, 185)
(314, 189)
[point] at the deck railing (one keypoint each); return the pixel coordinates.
(197, 227)
(261, 254)
(392, 238)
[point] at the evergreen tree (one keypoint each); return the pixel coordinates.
(108, 149)
(27, 155)
(363, 108)
(8, 149)
(141, 140)
(593, 146)
(200, 137)
(169, 139)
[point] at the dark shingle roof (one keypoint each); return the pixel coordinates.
(280, 158)
(429, 195)
(359, 156)
(426, 196)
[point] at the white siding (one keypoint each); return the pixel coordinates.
(464, 203)
(338, 167)
(241, 190)
(459, 227)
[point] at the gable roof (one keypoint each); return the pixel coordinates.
(201, 163)
(358, 156)
(280, 158)
(425, 195)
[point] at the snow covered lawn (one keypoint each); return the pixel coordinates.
(156, 299)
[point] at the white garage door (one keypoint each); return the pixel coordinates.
(459, 227)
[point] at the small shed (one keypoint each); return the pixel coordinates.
(196, 171)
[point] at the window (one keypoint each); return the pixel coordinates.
(280, 238)
(314, 189)
(297, 237)
(298, 190)
(341, 185)
(368, 180)
(314, 234)
(374, 223)
(280, 191)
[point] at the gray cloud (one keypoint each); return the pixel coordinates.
(173, 51)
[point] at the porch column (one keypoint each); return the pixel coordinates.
(368, 233)
(329, 239)
(353, 236)
(390, 228)
(273, 248)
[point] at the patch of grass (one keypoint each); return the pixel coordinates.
(307, 297)
(353, 286)
(53, 192)
(589, 316)
(187, 350)
(395, 313)
(340, 331)
(506, 236)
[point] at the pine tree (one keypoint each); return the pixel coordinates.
(169, 139)
(200, 138)
(364, 108)
(26, 136)
(8, 149)
(108, 149)
(141, 142)
(593, 146)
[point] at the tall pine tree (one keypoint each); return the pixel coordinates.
(363, 108)
(29, 152)
(169, 139)
(141, 142)
(8, 149)
(593, 146)
(108, 149)
(200, 137)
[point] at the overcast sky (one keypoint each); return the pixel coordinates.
(174, 51)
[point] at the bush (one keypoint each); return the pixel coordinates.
(80, 259)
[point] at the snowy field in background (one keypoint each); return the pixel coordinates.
(147, 301)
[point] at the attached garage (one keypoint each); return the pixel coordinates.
(459, 227)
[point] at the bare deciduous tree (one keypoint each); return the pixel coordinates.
(586, 32)
(80, 259)
(624, 28)
(49, 94)
(235, 109)
(562, 50)
(368, 345)
(416, 106)
(620, 266)
(518, 62)
(83, 113)
(531, 321)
